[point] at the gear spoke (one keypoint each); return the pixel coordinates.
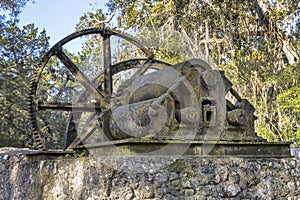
(79, 107)
(107, 65)
(86, 83)
(100, 88)
(88, 130)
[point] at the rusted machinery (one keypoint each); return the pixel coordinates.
(159, 109)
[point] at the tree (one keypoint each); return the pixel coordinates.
(20, 50)
(255, 43)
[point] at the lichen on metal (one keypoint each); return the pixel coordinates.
(176, 104)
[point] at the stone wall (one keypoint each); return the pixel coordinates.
(295, 152)
(150, 178)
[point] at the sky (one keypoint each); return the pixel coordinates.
(58, 17)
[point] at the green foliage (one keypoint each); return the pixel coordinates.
(14, 7)
(289, 100)
(20, 49)
(257, 44)
(91, 20)
(56, 84)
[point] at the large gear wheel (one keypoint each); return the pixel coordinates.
(100, 87)
(134, 104)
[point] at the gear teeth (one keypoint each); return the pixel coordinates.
(42, 148)
(32, 95)
(31, 114)
(30, 109)
(34, 79)
(38, 139)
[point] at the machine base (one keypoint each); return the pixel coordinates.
(221, 148)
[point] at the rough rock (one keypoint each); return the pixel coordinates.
(149, 178)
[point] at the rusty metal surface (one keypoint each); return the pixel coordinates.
(199, 148)
(107, 64)
(184, 103)
(56, 50)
